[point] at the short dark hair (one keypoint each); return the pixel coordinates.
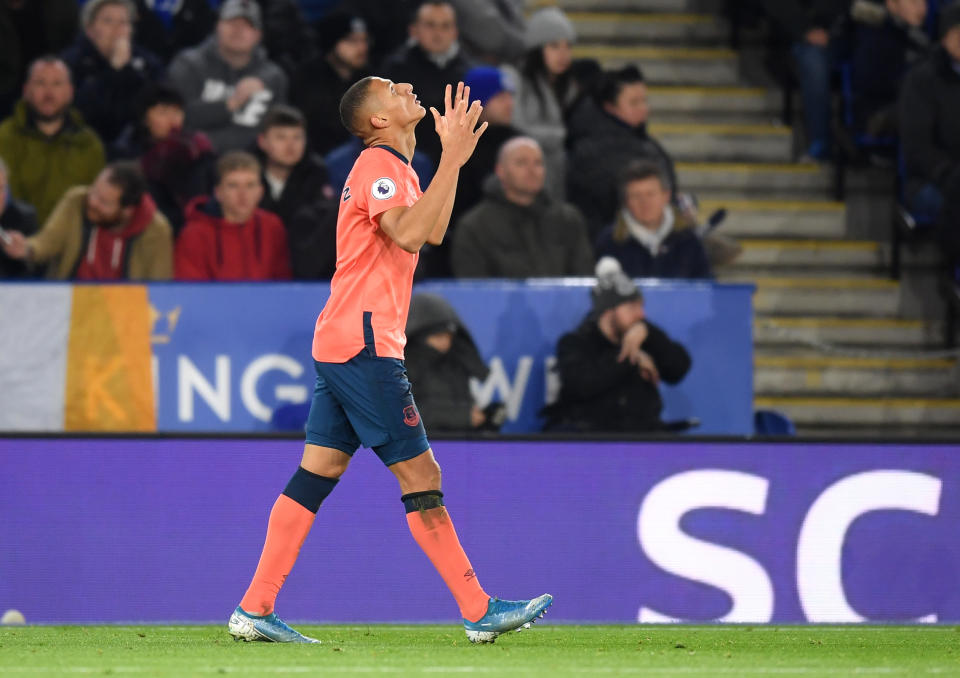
(415, 12)
(281, 115)
(126, 176)
(158, 94)
(351, 103)
(612, 83)
(639, 170)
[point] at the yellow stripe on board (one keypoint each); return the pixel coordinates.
(654, 53)
(850, 363)
(718, 129)
(109, 379)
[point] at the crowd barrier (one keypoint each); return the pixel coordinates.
(225, 356)
(110, 530)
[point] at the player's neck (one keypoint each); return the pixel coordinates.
(403, 143)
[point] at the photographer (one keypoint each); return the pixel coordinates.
(610, 367)
(440, 359)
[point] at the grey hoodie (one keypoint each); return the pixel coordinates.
(206, 81)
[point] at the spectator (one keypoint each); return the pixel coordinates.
(518, 230)
(110, 230)
(297, 189)
(441, 358)
(648, 238)
(882, 55)
(227, 237)
(287, 35)
(109, 70)
(30, 29)
(930, 131)
(608, 132)
(545, 90)
(14, 216)
(492, 31)
(492, 88)
(319, 85)
(431, 61)
(177, 164)
(227, 81)
(46, 142)
(166, 28)
(807, 24)
(610, 367)
(382, 20)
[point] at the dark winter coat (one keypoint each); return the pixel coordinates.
(929, 121)
(191, 24)
(211, 248)
(411, 64)
(500, 239)
(106, 96)
(441, 381)
(881, 58)
(681, 254)
(287, 36)
(599, 394)
(177, 169)
(17, 216)
(316, 89)
(602, 146)
(308, 182)
(796, 18)
(206, 81)
(340, 162)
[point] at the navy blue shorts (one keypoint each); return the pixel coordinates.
(366, 401)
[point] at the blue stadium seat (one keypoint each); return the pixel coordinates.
(772, 423)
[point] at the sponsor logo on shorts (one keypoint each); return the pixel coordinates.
(410, 415)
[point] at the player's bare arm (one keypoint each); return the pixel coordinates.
(427, 220)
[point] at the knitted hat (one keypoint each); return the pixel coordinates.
(242, 9)
(548, 25)
(486, 82)
(336, 26)
(949, 17)
(613, 286)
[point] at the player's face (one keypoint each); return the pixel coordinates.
(557, 56)
(103, 203)
(48, 91)
(400, 102)
(435, 29)
(631, 105)
(239, 193)
(353, 50)
(284, 145)
(110, 24)
(646, 199)
(521, 170)
(163, 119)
(628, 314)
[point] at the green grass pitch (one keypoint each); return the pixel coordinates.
(554, 651)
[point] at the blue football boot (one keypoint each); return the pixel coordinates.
(245, 626)
(506, 615)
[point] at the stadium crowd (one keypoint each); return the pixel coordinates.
(201, 139)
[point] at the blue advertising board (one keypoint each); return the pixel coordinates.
(167, 529)
(226, 356)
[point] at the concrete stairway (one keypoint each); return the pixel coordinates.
(839, 348)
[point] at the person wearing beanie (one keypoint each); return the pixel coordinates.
(321, 82)
(545, 89)
(611, 365)
(227, 81)
(930, 133)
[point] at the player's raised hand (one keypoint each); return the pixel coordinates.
(457, 127)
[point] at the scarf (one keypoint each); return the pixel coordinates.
(651, 240)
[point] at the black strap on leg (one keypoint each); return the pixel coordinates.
(422, 501)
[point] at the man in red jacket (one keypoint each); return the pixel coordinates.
(227, 237)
